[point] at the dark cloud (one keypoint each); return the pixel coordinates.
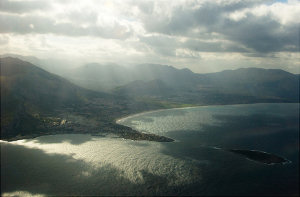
(23, 6)
(43, 25)
(167, 45)
(159, 41)
(145, 6)
(259, 33)
(263, 34)
(185, 18)
(161, 44)
(205, 25)
(217, 46)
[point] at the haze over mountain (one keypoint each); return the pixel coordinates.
(53, 65)
(36, 101)
(28, 93)
(204, 36)
(107, 77)
(253, 82)
(182, 85)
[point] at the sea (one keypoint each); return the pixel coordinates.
(197, 163)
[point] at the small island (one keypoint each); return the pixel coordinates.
(260, 156)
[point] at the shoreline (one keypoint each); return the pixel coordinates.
(158, 110)
(136, 136)
(128, 132)
(261, 156)
(124, 132)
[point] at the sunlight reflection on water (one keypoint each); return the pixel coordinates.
(21, 193)
(128, 156)
(91, 165)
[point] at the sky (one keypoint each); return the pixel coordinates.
(202, 35)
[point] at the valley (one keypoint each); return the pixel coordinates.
(35, 102)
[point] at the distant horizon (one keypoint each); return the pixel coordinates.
(204, 36)
(128, 65)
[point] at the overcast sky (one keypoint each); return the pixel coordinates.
(204, 35)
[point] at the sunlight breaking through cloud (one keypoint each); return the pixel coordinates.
(153, 31)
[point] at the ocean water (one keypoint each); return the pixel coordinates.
(197, 163)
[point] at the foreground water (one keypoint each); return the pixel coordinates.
(197, 163)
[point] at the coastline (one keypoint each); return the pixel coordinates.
(152, 111)
(261, 156)
(163, 109)
(119, 120)
(121, 130)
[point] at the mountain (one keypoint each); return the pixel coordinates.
(272, 83)
(99, 77)
(22, 80)
(53, 65)
(107, 77)
(29, 92)
(182, 85)
(155, 88)
(35, 102)
(245, 85)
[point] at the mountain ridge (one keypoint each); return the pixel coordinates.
(35, 102)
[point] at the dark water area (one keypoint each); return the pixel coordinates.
(261, 156)
(201, 160)
(271, 128)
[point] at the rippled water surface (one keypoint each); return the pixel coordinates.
(192, 165)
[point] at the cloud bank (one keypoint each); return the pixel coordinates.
(203, 35)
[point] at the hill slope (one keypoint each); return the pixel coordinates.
(226, 87)
(168, 83)
(107, 77)
(272, 83)
(35, 102)
(31, 97)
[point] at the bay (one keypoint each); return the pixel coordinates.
(196, 163)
